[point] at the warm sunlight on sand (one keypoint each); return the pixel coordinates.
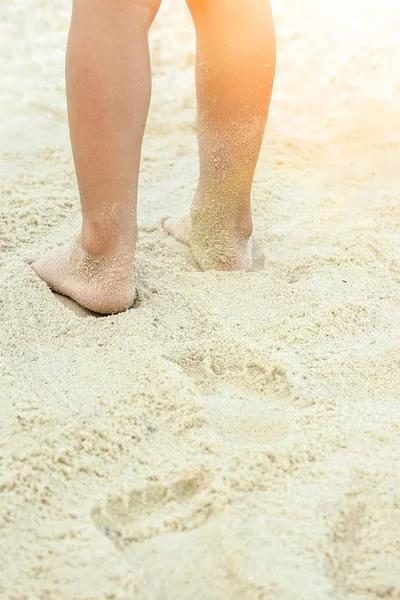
(235, 436)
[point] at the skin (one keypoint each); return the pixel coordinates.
(108, 80)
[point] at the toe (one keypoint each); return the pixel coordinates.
(39, 268)
(178, 228)
(168, 225)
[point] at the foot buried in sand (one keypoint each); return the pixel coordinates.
(103, 284)
(216, 246)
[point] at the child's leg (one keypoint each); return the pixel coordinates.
(108, 89)
(235, 73)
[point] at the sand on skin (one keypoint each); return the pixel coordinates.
(234, 436)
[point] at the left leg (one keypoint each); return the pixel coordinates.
(108, 90)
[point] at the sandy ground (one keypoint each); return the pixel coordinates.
(235, 436)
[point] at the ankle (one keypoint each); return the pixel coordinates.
(99, 242)
(232, 220)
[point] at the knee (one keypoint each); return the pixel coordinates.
(146, 9)
(143, 11)
(196, 6)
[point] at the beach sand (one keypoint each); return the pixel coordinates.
(234, 436)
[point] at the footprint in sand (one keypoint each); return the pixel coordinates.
(247, 420)
(216, 363)
(156, 509)
(169, 535)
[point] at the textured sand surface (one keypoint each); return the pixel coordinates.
(235, 436)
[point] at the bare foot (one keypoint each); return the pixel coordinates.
(214, 244)
(103, 284)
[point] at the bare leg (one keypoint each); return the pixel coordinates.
(235, 72)
(108, 90)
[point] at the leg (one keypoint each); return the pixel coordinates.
(108, 91)
(235, 72)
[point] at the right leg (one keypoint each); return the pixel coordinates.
(234, 73)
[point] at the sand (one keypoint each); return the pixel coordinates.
(234, 436)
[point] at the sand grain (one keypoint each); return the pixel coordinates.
(235, 436)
